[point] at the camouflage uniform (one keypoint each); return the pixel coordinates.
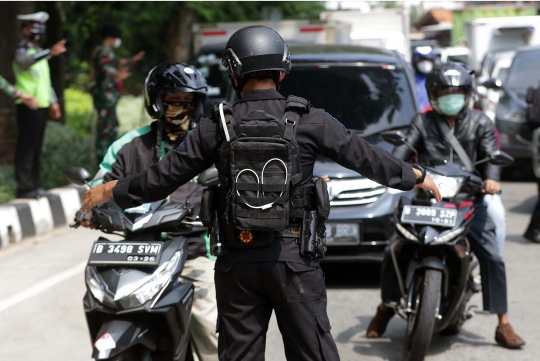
(8, 89)
(106, 93)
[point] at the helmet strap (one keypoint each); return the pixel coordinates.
(159, 138)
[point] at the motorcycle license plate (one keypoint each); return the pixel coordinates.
(125, 253)
(342, 234)
(443, 217)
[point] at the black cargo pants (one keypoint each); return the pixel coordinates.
(246, 295)
(484, 245)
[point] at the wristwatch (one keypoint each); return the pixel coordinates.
(423, 176)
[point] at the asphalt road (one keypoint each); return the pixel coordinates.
(41, 289)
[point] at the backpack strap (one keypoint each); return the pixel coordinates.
(294, 109)
(222, 113)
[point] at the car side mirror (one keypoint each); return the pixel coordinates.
(78, 175)
(492, 84)
(394, 137)
(501, 159)
(209, 177)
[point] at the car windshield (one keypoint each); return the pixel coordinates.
(524, 72)
(368, 99)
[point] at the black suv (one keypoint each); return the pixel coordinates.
(369, 90)
(512, 107)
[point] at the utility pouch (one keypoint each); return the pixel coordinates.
(322, 199)
(208, 205)
(312, 236)
(243, 238)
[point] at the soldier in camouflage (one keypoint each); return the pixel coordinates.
(16, 94)
(109, 72)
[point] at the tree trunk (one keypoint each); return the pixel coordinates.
(10, 29)
(57, 63)
(180, 34)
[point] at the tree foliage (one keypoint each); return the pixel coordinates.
(144, 26)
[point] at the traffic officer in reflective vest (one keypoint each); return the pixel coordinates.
(31, 68)
(251, 282)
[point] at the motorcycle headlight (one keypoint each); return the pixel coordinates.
(144, 290)
(97, 287)
(450, 235)
(509, 114)
(448, 186)
(406, 233)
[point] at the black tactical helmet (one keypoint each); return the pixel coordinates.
(173, 76)
(450, 75)
(254, 49)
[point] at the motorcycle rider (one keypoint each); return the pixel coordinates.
(253, 282)
(174, 96)
(450, 89)
(423, 62)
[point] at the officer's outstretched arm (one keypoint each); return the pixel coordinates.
(157, 182)
(352, 151)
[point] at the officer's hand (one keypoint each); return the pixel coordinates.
(492, 186)
(84, 219)
(123, 73)
(29, 101)
(137, 57)
(58, 48)
(429, 185)
(97, 195)
(54, 111)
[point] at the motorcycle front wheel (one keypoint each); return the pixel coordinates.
(420, 324)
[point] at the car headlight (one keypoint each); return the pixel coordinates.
(508, 114)
(97, 287)
(448, 186)
(144, 290)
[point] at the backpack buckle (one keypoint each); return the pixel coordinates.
(290, 121)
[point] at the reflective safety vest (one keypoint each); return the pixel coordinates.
(35, 81)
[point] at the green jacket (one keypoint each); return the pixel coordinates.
(8, 89)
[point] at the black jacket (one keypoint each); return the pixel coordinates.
(135, 152)
(316, 133)
(474, 130)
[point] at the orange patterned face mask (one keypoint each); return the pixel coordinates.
(178, 118)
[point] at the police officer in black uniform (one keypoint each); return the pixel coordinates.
(251, 282)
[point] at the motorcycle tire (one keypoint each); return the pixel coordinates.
(422, 323)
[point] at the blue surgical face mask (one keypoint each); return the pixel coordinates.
(451, 104)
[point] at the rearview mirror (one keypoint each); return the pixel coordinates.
(394, 137)
(492, 84)
(209, 177)
(501, 159)
(78, 175)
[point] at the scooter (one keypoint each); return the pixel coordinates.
(432, 255)
(136, 307)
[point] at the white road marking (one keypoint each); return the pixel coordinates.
(42, 286)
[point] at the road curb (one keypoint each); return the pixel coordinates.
(23, 218)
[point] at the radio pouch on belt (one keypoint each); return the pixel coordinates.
(260, 168)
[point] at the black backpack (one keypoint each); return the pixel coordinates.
(260, 168)
(533, 107)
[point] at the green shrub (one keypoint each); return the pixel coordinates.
(131, 114)
(7, 183)
(79, 111)
(63, 148)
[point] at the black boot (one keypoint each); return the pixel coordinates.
(533, 232)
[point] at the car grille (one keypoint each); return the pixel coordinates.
(351, 192)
